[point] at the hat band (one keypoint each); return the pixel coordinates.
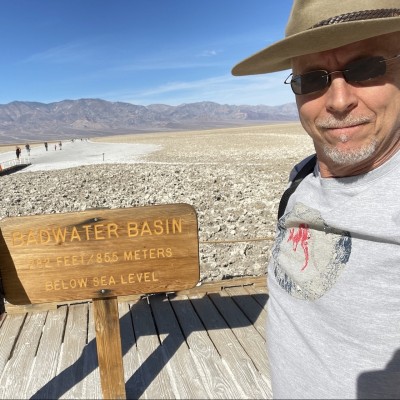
(359, 16)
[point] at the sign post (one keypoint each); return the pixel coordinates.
(109, 351)
(100, 254)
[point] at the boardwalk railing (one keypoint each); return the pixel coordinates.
(15, 161)
(14, 164)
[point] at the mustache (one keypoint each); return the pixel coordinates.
(332, 122)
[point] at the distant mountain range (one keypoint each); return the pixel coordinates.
(22, 121)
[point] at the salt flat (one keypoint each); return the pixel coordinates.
(279, 145)
(77, 153)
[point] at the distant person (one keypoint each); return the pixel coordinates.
(28, 149)
(333, 320)
(55, 146)
(60, 145)
(18, 152)
(46, 145)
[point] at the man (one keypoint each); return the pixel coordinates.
(334, 276)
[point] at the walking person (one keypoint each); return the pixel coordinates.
(333, 328)
(18, 152)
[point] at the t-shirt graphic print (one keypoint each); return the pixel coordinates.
(308, 255)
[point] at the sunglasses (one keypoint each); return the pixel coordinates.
(357, 71)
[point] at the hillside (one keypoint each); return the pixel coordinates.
(32, 121)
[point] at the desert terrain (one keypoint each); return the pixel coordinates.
(233, 177)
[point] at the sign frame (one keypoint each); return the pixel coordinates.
(99, 253)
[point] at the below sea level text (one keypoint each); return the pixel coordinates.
(101, 281)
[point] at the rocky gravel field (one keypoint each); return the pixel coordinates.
(232, 177)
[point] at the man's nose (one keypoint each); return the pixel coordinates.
(341, 96)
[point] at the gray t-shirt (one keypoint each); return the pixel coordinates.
(333, 324)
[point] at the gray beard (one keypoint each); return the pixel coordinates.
(340, 157)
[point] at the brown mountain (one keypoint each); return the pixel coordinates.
(32, 121)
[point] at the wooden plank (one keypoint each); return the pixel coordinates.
(70, 372)
(250, 339)
(179, 363)
(217, 286)
(47, 357)
(250, 307)
(13, 382)
(99, 253)
(129, 351)
(259, 294)
(151, 380)
(240, 365)
(10, 329)
(212, 370)
(253, 343)
(91, 372)
(216, 353)
(13, 309)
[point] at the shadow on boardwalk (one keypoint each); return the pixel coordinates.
(178, 322)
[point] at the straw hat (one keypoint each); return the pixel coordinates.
(318, 25)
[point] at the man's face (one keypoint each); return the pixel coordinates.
(355, 126)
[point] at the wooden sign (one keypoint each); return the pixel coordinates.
(99, 253)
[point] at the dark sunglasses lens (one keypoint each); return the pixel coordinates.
(313, 81)
(365, 69)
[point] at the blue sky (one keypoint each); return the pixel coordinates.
(139, 51)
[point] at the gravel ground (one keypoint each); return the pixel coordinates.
(232, 177)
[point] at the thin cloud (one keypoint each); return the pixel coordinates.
(218, 82)
(67, 53)
(163, 64)
(225, 89)
(209, 53)
(172, 59)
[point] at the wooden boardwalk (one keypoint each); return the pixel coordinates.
(205, 343)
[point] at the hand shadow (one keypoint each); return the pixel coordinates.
(381, 384)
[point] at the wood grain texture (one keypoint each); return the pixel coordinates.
(151, 380)
(212, 370)
(89, 254)
(91, 370)
(10, 329)
(48, 352)
(73, 351)
(250, 307)
(16, 373)
(241, 365)
(109, 351)
(178, 361)
(168, 343)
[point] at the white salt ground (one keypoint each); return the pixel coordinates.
(77, 153)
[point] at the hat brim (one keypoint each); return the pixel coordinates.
(277, 57)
